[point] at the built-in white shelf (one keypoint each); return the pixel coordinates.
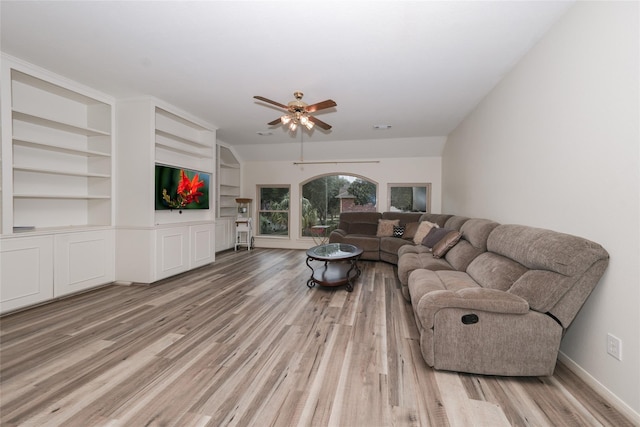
(24, 142)
(61, 147)
(228, 182)
(61, 172)
(60, 196)
(57, 125)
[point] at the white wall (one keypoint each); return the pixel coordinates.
(393, 170)
(556, 145)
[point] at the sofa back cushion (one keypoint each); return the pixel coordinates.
(440, 219)
(473, 242)
(403, 217)
(359, 222)
(455, 222)
(556, 261)
(495, 271)
(539, 249)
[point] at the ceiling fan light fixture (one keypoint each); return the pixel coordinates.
(299, 112)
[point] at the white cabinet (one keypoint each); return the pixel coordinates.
(26, 271)
(164, 251)
(35, 269)
(172, 251)
(202, 245)
(83, 260)
(225, 233)
(57, 186)
(179, 249)
(162, 242)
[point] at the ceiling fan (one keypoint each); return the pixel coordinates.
(298, 112)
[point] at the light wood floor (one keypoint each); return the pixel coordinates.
(244, 342)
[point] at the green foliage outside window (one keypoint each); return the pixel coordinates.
(274, 211)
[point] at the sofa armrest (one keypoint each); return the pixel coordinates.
(480, 299)
(337, 236)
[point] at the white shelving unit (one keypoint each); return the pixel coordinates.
(229, 182)
(228, 172)
(57, 186)
(172, 241)
(61, 156)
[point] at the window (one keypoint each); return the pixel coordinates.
(325, 197)
(409, 197)
(273, 210)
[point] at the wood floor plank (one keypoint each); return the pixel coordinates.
(244, 342)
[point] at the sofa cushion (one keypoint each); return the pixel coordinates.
(364, 228)
(403, 217)
(494, 271)
(422, 282)
(347, 218)
(475, 233)
(540, 249)
(385, 227)
(542, 289)
(455, 222)
(439, 219)
(410, 230)
(434, 236)
(423, 229)
(446, 243)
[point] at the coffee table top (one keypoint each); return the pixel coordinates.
(334, 252)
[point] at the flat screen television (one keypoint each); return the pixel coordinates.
(181, 188)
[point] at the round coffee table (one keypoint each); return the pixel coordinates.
(340, 265)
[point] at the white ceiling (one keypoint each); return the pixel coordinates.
(418, 66)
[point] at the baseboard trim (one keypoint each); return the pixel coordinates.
(614, 400)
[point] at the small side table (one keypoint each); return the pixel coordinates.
(340, 265)
(319, 234)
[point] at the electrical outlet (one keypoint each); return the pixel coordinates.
(614, 346)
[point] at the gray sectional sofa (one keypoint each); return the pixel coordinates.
(501, 297)
(360, 229)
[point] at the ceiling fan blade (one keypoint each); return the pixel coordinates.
(262, 98)
(321, 105)
(275, 122)
(319, 123)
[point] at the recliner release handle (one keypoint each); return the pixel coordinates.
(470, 319)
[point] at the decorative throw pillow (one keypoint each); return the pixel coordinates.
(446, 243)
(398, 230)
(422, 231)
(410, 230)
(434, 236)
(385, 227)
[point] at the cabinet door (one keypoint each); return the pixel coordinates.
(26, 271)
(83, 260)
(202, 238)
(221, 235)
(172, 251)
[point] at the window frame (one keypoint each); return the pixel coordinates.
(323, 175)
(259, 211)
(425, 185)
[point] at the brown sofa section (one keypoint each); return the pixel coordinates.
(473, 242)
(360, 229)
(507, 310)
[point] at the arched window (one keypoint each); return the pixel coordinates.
(324, 197)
